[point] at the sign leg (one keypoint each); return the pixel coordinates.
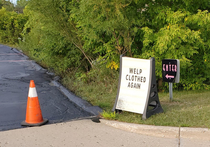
(171, 90)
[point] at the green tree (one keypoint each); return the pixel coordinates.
(7, 4)
(43, 41)
(11, 26)
(112, 25)
(103, 30)
(160, 29)
(1, 4)
(184, 37)
(56, 15)
(20, 5)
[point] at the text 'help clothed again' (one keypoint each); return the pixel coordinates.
(135, 79)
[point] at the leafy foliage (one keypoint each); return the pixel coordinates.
(7, 5)
(181, 38)
(11, 25)
(109, 115)
(110, 27)
(56, 14)
(21, 4)
(47, 45)
(73, 36)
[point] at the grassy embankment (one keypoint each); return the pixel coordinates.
(188, 108)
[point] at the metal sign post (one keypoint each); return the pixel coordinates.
(171, 91)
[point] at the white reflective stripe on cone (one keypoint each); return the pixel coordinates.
(32, 92)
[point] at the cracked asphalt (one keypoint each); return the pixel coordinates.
(16, 71)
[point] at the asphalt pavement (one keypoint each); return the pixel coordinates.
(56, 102)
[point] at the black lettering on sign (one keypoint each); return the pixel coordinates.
(132, 78)
(134, 85)
(135, 71)
(139, 71)
(130, 70)
(139, 79)
(126, 77)
(144, 80)
(137, 85)
(135, 78)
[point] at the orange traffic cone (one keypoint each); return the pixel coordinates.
(33, 111)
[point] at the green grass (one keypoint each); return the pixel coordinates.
(187, 109)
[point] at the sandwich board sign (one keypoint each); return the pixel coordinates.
(137, 89)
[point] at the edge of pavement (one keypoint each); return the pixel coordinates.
(161, 131)
(93, 110)
(150, 130)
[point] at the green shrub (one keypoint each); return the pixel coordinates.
(11, 26)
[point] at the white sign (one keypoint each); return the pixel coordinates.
(134, 85)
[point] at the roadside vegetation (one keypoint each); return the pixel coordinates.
(81, 41)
